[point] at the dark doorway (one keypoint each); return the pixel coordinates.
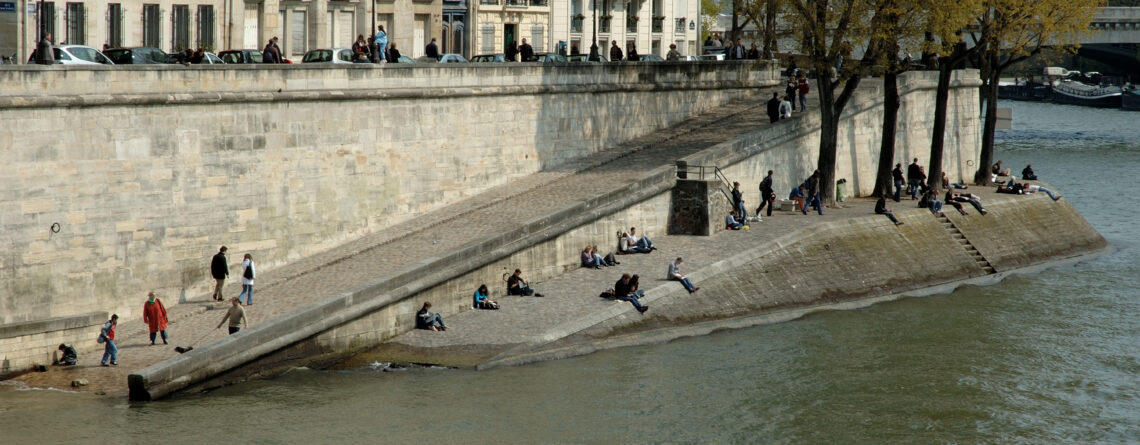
(509, 32)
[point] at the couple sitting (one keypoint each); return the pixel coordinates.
(591, 258)
(626, 290)
(631, 243)
(732, 223)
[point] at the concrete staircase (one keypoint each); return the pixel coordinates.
(958, 236)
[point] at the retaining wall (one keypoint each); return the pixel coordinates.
(123, 180)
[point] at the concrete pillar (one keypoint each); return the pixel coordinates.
(319, 24)
(270, 26)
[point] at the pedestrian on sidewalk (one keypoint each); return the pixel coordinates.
(790, 90)
(107, 338)
(738, 202)
(236, 316)
(802, 85)
(220, 269)
(786, 107)
(426, 319)
(811, 193)
(248, 273)
(626, 290)
(767, 196)
(900, 181)
(154, 315)
(914, 177)
(774, 108)
(676, 275)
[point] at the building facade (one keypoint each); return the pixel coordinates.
(652, 25)
(217, 25)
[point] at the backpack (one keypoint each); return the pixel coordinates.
(609, 259)
(248, 274)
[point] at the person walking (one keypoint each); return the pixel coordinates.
(899, 179)
(811, 196)
(802, 85)
(914, 177)
(236, 316)
(220, 270)
(431, 50)
(790, 91)
(107, 338)
(154, 315)
(44, 53)
(248, 273)
(774, 108)
(767, 195)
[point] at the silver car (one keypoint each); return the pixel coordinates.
(77, 55)
(330, 55)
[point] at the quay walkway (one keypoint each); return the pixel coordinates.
(477, 336)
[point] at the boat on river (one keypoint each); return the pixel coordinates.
(1089, 89)
(1130, 98)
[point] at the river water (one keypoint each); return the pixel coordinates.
(1045, 358)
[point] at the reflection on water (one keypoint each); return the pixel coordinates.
(1046, 358)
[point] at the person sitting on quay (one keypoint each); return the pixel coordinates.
(626, 245)
(974, 200)
(731, 223)
(1031, 188)
(481, 301)
(997, 170)
(643, 243)
(949, 199)
(1028, 174)
(428, 320)
(797, 195)
(881, 209)
(607, 260)
(929, 201)
(626, 290)
(588, 259)
(676, 275)
(947, 184)
(1010, 188)
(68, 356)
(516, 285)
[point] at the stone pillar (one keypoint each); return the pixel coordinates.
(698, 207)
(319, 24)
(270, 26)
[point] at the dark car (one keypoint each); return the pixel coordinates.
(241, 56)
(580, 58)
(549, 58)
(483, 58)
(137, 56)
(650, 58)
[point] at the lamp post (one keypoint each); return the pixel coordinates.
(594, 45)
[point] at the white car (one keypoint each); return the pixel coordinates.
(329, 55)
(446, 58)
(211, 59)
(77, 55)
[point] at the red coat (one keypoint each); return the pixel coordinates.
(154, 315)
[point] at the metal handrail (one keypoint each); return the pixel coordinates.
(707, 171)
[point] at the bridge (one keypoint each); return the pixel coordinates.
(1114, 39)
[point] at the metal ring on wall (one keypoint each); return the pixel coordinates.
(55, 227)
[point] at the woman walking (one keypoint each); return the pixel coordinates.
(107, 338)
(154, 315)
(247, 275)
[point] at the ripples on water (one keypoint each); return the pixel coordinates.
(1045, 358)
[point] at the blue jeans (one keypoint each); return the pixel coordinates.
(110, 351)
(740, 211)
(645, 243)
(437, 322)
(685, 282)
(163, 336)
(898, 189)
(633, 298)
(813, 201)
(247, 290)
(915, 186)
(1049, 192)
(936, 206)
(891, 215)
(803, 102)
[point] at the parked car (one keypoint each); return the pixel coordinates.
(650, 58)
(137, 56)
(241, 56)
(406, 59)
(581, 58)
(330, 55)
(484, 58)
(689, 59)
(76, 55)
(446, 58)
(549, 58)
(210, 59)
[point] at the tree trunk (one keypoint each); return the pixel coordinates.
(938, 136)
(986, 158)
(883, 181)
(828, 143)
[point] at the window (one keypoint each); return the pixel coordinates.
(205, 27)
(47, 21)
(488, 2)
(658, 16)
(488, 38)
(576, 16)
(630, 17)
(179, 27)
(152, 26)
(536, 38)
(538, 2)
(115, 25)
(680, 26)
(297, 33)
(76, 24)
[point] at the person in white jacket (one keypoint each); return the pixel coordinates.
(248, 273)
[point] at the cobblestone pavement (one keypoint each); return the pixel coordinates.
(385, 252)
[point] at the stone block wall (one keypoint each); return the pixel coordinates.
(122, 181)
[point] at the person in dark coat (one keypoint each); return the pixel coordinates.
(914, 177)
(526, 52)
(899, 180)
(393, 53)
(767, 194)
(268, 55)
(626, 290)
(512, 51)
(811, 195)
(615, 52)
(632, 56)
(774, 108)
(44, 53)
(790, 91)
(220, 270)
(431, 50)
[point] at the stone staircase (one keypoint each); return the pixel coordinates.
(958, 236)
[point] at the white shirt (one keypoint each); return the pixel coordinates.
(244, 264)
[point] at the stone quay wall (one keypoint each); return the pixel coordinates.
(375, 312)
(122, 180)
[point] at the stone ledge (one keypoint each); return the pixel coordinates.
(20, 329)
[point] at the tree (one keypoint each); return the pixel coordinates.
(828, 29)
(709, 11)
(1010, 31)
